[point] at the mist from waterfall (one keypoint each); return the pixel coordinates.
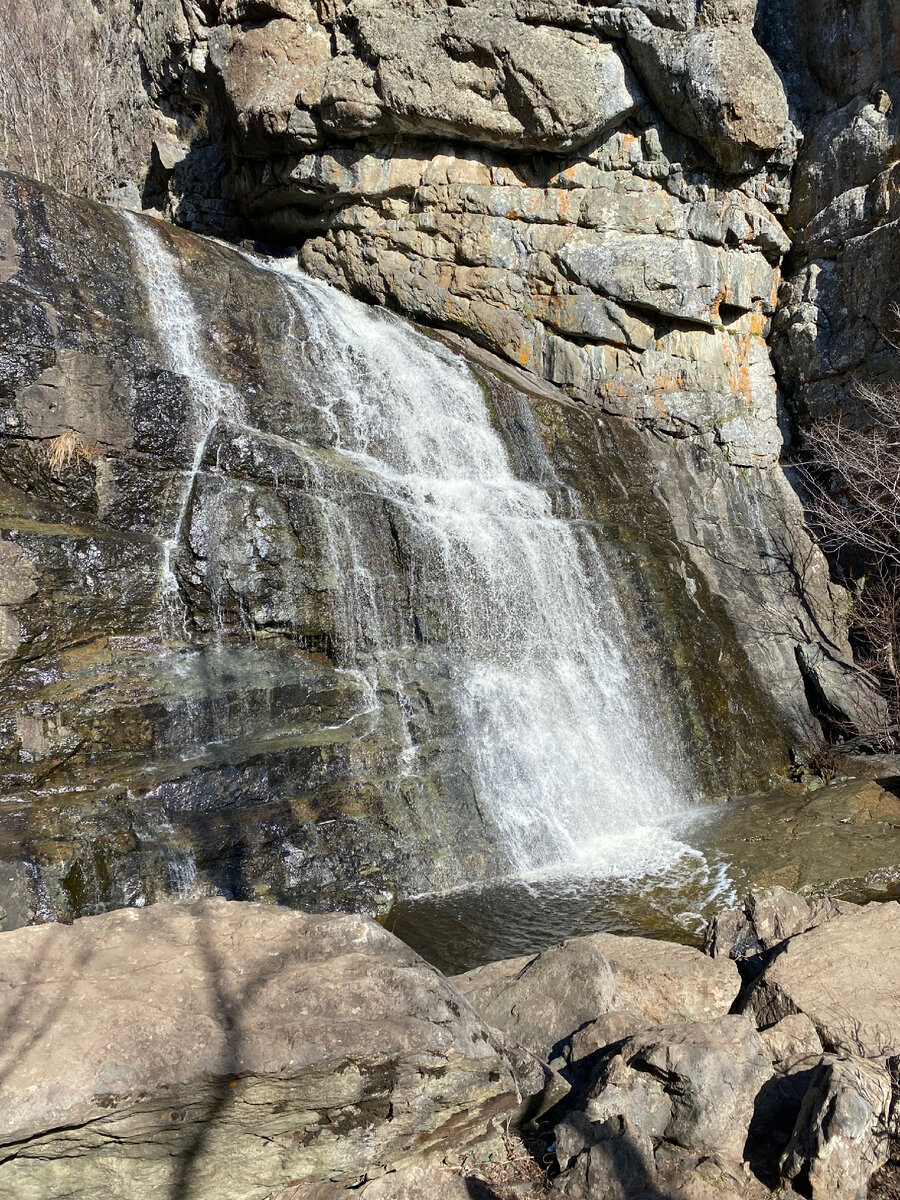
(552, 709)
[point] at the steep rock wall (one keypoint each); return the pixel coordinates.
(837, 324)
(177, 713)
(587, 190)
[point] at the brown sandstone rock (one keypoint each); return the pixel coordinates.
(791, 1039)
(665, 983)
(541, 999)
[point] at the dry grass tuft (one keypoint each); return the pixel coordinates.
(522, 1162)
(66, 450)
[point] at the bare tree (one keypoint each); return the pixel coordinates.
(854, 474)
(70, 92)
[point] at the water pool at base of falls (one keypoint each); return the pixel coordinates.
(841, 840)
(648, 882)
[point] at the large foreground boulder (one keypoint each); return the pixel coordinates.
(542, 999)
(222, 1050)
(845, 976)
(841, 1135)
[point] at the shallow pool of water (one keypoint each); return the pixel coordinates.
(667, 882)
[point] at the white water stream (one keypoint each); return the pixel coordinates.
(178, 325)
(551, 706)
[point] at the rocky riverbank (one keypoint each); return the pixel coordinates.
(244, 1052)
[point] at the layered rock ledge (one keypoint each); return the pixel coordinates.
(618, 197)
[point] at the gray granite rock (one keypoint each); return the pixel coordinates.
(711, 1071)
(841, 1135)
(225, 1048)
(542, 999)
(844, 976)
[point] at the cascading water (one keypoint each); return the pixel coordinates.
(513, 600)
(176, 322)
(545, 684)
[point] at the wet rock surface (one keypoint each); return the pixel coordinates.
(182, 713)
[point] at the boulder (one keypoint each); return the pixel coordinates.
(541, 999)
(845, 976)
(630, 982)
(770, 916)
(791, 1039)
(664, 983)
(711, 1073)
(686, 1175)
(715, 84)
(435, 1182)
(218, 1048)
(617, 1164)
(621, 1091)
(796, 1052)
(605, 1031)
(841, 1135)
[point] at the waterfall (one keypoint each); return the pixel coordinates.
(514, 602)
(177, 324)
(553, 710)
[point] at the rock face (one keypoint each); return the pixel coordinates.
(835, 324)
(601, 193)
(193, 702)
(841, 1136)
(542, 999)
(228, 1049)
(630, 262)
(819, 972)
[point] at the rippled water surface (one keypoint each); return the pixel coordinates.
(666, 881)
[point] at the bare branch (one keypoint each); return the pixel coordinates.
(854, 476)
(70, 93)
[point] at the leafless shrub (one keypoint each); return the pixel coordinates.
(822, 761)
(70, 93)
(854, 473)
(862, 506)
